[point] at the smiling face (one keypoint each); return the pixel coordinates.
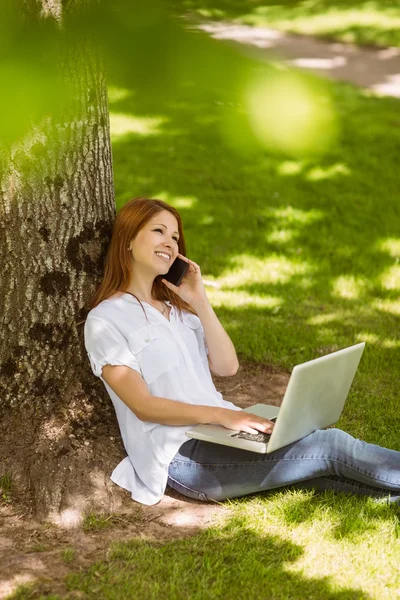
(155, 247)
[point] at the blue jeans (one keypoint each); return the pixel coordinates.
(325, 459)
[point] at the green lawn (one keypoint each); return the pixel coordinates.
(306, 254)
(282, 546)
(374, 22)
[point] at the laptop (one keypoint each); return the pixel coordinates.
(314, 399)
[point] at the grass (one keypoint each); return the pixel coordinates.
(368, 22)
(68, 555)
(305, 252)
(5, 488)
(94, 522)
(306, 257)
(39, 547)
(292, 544)
(279, 546)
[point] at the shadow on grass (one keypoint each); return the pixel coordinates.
(231, 562)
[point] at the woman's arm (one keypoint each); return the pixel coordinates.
(222, 355)
(133, 391)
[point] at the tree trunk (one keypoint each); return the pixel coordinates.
(57, 207)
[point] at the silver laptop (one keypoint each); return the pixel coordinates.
(314, 399)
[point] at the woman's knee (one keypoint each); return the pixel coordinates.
(329, 439)
(333, 434)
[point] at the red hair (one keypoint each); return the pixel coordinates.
(130, 219)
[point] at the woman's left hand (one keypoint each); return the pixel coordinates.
(191, 289)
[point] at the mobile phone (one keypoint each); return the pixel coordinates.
(177, 271)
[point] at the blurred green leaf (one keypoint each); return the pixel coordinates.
(146, 47)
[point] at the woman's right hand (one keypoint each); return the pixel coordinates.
(244, 421)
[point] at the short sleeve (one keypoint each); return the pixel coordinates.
(105, 345)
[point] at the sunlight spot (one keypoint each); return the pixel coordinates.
(69, 518)
(8, 586)
(52, 429)
(390, 87)
(325, 337)
(389, 306)
(388, 53)
(187, 202)
(235, 299)
(274, 269)
(372, 338)
(391, 343)
(280, 236)
(320, 63)
(295, 215)
(289, 167)
(369, 338)
(347, 286)
(257, 36)
(390, 280)
(176, 201)
(122, 124)
(206, 220)
(182, 519)
(210, 13)
(115, 94)
(322, 319)
(319, 173)
(306, 282)
(391, 246)
(72, 516)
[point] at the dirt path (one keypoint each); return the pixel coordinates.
(377, 69)
(33, 552)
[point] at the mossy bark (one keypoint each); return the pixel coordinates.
(57, 208)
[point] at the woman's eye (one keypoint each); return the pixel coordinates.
(161, 231)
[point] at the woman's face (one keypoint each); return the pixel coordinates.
(156, 245)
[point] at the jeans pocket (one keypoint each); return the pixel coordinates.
(186, 491)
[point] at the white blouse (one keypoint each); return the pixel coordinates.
(172, 358)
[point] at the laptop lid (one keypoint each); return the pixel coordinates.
(315, 396)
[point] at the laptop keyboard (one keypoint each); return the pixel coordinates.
(253, 437)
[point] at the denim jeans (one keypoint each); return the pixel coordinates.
(325, 459)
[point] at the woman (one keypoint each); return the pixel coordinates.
(153, 345)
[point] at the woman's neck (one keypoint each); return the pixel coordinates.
(141, 287)
(143, 297)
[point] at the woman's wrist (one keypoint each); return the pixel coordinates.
(212, 415)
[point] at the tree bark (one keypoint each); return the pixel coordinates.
(57, 208)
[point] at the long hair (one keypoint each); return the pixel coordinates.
(130, 219)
